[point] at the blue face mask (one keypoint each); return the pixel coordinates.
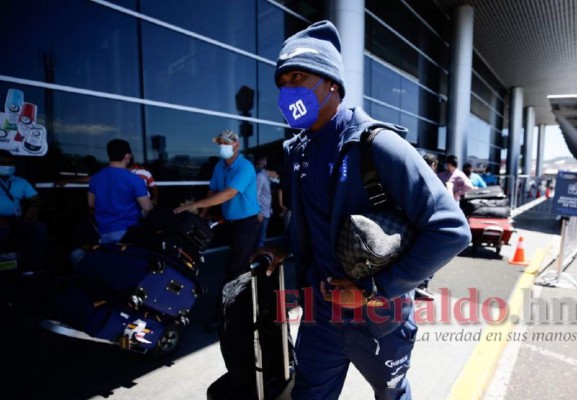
(300, 106)
(7, 170)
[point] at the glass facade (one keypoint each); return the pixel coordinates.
(168, 75)
(485, 129)
(153, 73)
(406, 69)
(406, 77)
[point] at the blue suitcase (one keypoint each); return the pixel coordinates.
(140, 277)
(85, 311)
(167, 289)
(128, 328)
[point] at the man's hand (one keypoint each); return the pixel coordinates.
(347, 295)
(190, 207)
(260, 218)
(277, 255)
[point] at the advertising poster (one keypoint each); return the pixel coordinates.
(19, 132)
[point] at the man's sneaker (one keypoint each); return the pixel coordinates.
(422, 293)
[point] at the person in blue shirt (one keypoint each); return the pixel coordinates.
(117, 197)
(489, 178)
(20, 228)
(368, 322)
(475, 178)
(233, 186)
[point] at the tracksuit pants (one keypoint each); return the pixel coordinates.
(324, 351)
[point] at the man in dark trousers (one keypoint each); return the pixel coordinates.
(233, 185)
(326, 187)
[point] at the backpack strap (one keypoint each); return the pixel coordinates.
(7, 191)
(377, 196)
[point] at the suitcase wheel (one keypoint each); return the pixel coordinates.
(498, 248)
(169, 342)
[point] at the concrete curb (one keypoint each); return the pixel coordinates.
(475, 377)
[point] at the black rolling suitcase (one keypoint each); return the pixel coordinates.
(490, 192)
(182, 236)
(488, 202)
(249, 315)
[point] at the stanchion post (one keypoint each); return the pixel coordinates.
(561, 257)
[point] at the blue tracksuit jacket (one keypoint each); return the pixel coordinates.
(442, 231)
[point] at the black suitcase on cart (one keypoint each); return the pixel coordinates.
(488, 202)
(182, 236)
(490, 192)
(249, 315)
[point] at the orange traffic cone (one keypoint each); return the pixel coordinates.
(519, 257)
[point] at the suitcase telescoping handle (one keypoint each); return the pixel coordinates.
(263, 261)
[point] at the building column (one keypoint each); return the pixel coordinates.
(349, 18)
(528, 129)
(459, 102)
(540, 151)
(514, 140)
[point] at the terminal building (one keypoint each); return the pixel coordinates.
(169, 75)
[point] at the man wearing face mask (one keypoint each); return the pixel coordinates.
(19, 209)
(117, 197)
(233, 186)
(368, 321)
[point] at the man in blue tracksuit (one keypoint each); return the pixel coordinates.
(367, 323)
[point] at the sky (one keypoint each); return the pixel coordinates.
(555, 145)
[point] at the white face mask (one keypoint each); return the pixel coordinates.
(226, 151)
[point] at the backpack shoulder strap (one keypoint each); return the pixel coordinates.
(377, 196)
(7, 191)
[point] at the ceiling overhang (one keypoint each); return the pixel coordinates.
(530, 44)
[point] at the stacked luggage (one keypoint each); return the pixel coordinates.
(488, 213)
(138, 294)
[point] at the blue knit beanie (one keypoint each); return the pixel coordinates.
(317, 49)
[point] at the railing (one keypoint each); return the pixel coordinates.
(567, 253)
(524, 190)
(48, 185)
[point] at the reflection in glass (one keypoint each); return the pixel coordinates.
(186, 142)
(412, 124)
(383, 113)
(100, 53)
(216, 19)
(478, 139)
